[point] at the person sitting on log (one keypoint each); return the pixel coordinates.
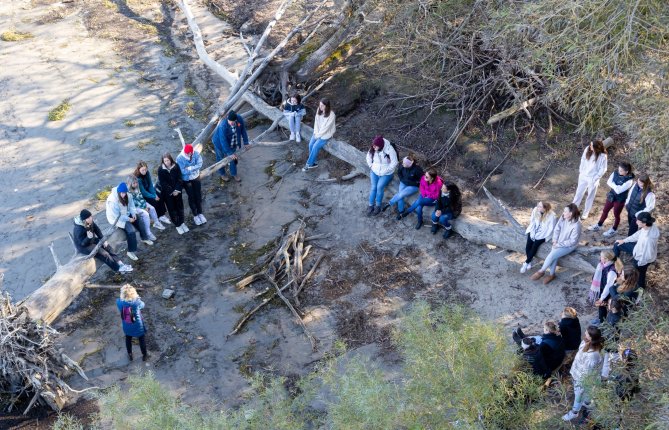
(570, 329)
(641, 198)
(87, 235)
(171, 184)
(642, 245)
(409, 175)
(448, 207)
(566, 235)
(324, 129)
(430, 189)
(294, 110)
(550, 343)
(620, 183)
(229, 136)
(593, 166)
(145, 211)
(542, 222)
(121, 207)
(130, 306)
(150, 194)
(382, 161)
(604, 278)
(190, 163)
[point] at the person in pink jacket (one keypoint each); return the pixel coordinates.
(429, 188)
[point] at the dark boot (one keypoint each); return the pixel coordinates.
(145, 357)
(130, 357)
(516, 337)
(384, 207)
(419, 224)
(447, 233)
(370, 210)
(520, 333)
(435, 228)
(401, 215)
(377, 210)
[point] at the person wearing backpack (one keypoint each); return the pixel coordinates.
(130, 306)
(448, 207)
(382, 161)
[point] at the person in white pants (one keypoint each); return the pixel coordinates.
(594, 162)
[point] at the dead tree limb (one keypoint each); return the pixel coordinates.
(505, 211)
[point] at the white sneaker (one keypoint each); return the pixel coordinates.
(196, 220)
(610, 232)
(158, 225)
(298, 138)
(523, 268)
(184, 228)
(292, 136)
(569, 416)
(152, 237)
(595, 227)
(584, 216)
(125, 268)
(148, 242)
(202, 219)
(132, 256)
(180, 230)
(165, 219)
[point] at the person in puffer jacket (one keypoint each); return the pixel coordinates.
(130, 306)
(190, 163)
(587, 364)
(430, 188)
(542, 222)
(382, 162)
(121, 206)
(620, 182)
(566, 234)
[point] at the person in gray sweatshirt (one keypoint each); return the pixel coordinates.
(566, 235)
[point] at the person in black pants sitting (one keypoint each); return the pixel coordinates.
(87, 235)
(550, 344)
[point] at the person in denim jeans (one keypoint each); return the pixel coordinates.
(382, 161)
(566, 235)
(230, 136)
(448, 207)
(294, 110)
(430, 187)
(121, 212)
(324, 129)
(409, 175)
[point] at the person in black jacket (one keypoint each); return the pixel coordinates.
(87, 235)
(409, 175)
(570, 329)
(171, 185)
(532, 355)
(550, 343)
(448, 207)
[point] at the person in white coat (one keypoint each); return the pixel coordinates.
(121, 210)
(382, 162)
(540, 229)
(642, 245)
(594, 162)
(585, 369)
(324, 128)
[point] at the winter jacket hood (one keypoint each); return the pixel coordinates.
(383, 162)
(190, 166)
(116, 210)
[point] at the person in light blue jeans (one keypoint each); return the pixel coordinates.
(409, 175)
(382, 162)
(566, 235)
(324, 129)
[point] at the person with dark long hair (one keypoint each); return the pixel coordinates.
(294, 110)
(620, 182)
(430, 188)
(149, 192)
(641, 198)
(542, 222)
(190, 163)
(566, 234)
(447, 208)
(593, 166)
(642, 245)
(121, 210)
(382, 162)
(324, 129)
(171, 185)
(587, 363)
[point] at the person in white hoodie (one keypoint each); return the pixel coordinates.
(382, 162)
(642, 245)
(593, 166)
(566, 235)
(585, 370)
(324, 129)
(121, 210)
(542, 223)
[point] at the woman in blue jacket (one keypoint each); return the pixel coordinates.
(130, 306)
(228, 137)
(149, 192)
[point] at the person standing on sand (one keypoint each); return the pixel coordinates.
(382, 161)
(294, 110)
(409, 175)
(150, 193)
(130, 306)
(87, 235)
(641, 198)
(587, 363)
(566, 234)
(593, 166)
(228, 137)
(121, 210)
(190, 163)
(542, 222)
(324, 129)
(171, 184)
(620, 183)
(642, 245)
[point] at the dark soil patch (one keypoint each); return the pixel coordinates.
(44, 419)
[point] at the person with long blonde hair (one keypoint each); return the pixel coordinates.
(542, 222)
(130, 306)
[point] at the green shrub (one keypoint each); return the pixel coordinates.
(58, 113)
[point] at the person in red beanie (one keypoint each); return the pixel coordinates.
(190, 163)
(382, 161)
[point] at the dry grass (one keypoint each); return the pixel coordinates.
(15, 36)
(59, 112)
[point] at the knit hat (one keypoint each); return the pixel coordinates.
(232, 116)
(122, 188)
(646, 218)
(378, 141)
(188, 149)
(85, 214)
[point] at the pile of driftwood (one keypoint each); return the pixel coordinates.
(30, 362)
(284, 270)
